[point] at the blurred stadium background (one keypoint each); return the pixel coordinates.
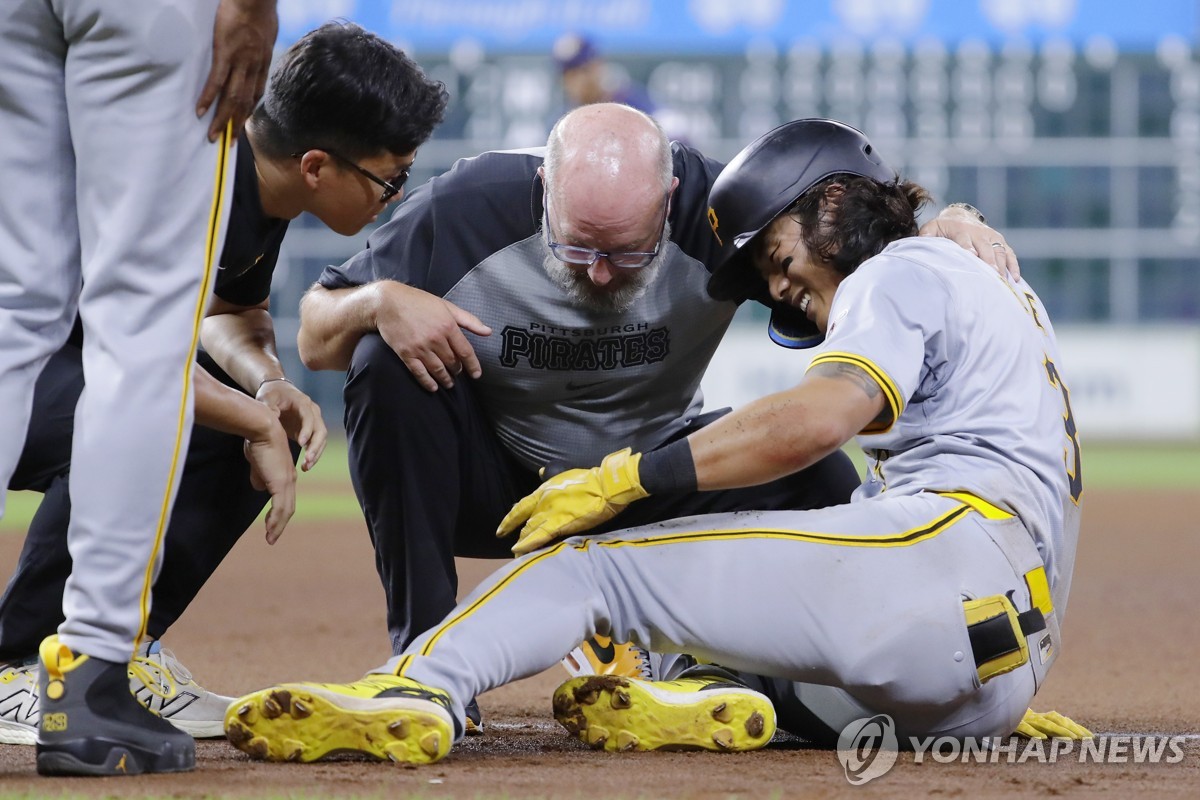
(1073, 124)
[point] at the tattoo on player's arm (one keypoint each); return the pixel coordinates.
(858, 376)
(851, 372)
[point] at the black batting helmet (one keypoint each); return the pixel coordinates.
(763, 181)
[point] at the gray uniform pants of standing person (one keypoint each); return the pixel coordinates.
(114, 201)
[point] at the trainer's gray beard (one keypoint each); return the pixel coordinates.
(580, 289)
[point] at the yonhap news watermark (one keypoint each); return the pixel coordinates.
(868, 748)
(1104, 749)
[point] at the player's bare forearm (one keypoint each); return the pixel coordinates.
(241, 340)
(332, 321)
(227, 410)
(425, 331)
(785, 432)
(266, 443)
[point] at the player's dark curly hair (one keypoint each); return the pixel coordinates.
(868, 216)
(343, 88)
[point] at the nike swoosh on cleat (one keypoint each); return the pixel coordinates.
(606, 654)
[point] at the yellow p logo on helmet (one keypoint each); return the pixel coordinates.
(712, 223)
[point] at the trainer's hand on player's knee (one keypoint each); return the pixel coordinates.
(574, 501)
(243, 35)
(426, 332)
(300, 417)
(272, 470)
(986, 242)
(1050, 725)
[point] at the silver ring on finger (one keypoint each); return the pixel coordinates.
(1001, 245)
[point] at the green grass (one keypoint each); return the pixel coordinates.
(1109, 465)
(325, 494)
(1133, 467)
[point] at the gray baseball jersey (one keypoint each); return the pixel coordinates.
(115, 202)
(934, 596)
(985, 410)
(563, 382)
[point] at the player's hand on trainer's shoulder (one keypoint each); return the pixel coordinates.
(243, 35)
(574, 501)
(960, 226)
(272, 470)
(299, 415)
(426, 332)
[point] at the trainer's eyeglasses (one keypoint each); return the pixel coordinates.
(390, 188)
(586, 256)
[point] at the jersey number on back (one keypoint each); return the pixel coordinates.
(1074, 464)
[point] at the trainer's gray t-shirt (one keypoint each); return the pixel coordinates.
(969, 364)
(561, 382)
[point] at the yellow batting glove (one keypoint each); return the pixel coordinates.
(574, 501)
(1050, 725)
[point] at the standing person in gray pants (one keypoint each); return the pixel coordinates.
(342, 110)
(115, 207)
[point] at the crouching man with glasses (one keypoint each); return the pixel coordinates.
(524, 309)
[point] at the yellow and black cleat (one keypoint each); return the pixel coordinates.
(618, 714)
(384, 717)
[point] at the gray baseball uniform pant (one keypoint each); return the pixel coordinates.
(851, 611)
(113, 201)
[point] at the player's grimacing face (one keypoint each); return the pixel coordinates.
(792, 274)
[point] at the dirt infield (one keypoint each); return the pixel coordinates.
(311, 608)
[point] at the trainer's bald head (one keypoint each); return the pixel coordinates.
(607, 163)
(608, 177)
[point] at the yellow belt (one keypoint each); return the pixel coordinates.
(998, 631)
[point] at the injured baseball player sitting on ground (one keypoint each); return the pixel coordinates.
(530, 308)
(935, 596)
